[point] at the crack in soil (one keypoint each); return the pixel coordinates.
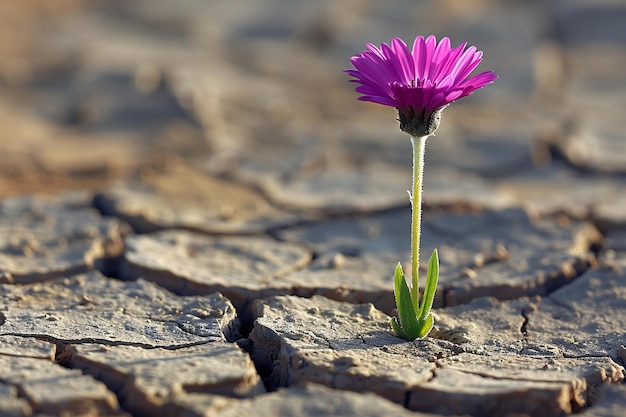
(62, 358)
(524, 327)
(407, 399)
(409, 393)
(105, 342)
(112, 269)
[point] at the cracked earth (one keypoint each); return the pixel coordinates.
(197, 217)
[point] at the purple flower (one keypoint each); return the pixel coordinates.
(420, 82)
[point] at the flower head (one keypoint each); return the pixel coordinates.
(420, 82)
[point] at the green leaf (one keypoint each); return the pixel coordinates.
(431, 286)
(406, 312)
(396, 328)
(425, 326)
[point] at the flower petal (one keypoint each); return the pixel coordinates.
(419, 57)
(441, 53)
(450, 60)
(417, 81)
(481, 79)
(405, 59)
(431, 45)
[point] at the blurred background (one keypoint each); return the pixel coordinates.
(251, 92)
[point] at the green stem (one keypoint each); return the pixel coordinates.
(419, 147)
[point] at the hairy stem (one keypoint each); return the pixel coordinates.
(419, 147)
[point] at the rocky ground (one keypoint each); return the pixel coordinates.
(199, 219)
